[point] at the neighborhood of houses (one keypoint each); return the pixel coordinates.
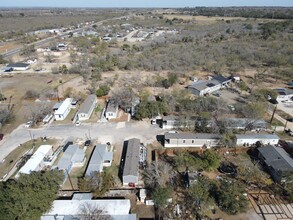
(178, 135)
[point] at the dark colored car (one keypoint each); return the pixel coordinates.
(1, 137)
(274, 101)
(290, 119)
(87, 143)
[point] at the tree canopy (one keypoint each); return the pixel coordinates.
(28, 197)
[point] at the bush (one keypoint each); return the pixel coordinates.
(31, 94)
(103, 90)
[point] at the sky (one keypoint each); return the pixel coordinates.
(142, 3)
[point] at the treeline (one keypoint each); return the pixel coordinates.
(246, 12)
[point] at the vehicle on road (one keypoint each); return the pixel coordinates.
(29, 124)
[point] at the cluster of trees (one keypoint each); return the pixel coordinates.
(150, 109)
(228, 195)
(97, 183)
(209, 160)
(250, 12)
(29, 196)
(6, 116)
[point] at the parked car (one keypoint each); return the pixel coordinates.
(29, 124)
(87, 143)
(290, 119)
(77, 123)
(273, 101)
(217, 94)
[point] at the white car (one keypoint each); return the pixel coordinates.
(29, 124)
(77, 123)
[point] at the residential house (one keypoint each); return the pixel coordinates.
(87, 108)
(64, 209)
(37, 160)
(250, 139)
(245, 124)
(18, 66)
(73, 156)
(63, 110)
(277, 161)
(191, 140)
(284, 94)
(131, 163)
(175, 122)
(111, 110)
(203, 87)
(100, 158)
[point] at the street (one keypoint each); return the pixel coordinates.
(114, 133)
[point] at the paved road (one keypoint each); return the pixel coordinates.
(104, 132)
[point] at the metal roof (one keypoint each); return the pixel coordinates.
(131, 165)
(99, 155)
(82, 196)
(203, 84)
(191, 136)
(72, 154)
(35, 160)
(13, 65)
(62, 108)
(111, 106)
(76, 207)
(87, 104)
(277, 158)
(221, 79)
(244, 122)
(257, 136)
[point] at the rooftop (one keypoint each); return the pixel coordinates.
(62, 108)
(36, 159)
(191, 136)
(72, 154)
(277, 158)
(111, 106)
(76, 207)
(99, 155)
(87, 104)
(257, 136)
(13, 65)
(203, 84)
(131, 165)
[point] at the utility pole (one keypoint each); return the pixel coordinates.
(273, 114)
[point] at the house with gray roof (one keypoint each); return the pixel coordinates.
(73, 156)
(191, 140)
(203, 87)
(100, 158)
(277, 161)
(18, 66)
(87, 108)
(111, 110)
(250, 139)
(245, 124)
(131, 163)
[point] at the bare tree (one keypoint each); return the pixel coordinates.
(92, 212)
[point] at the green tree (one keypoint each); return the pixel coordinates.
(160, 195)
(211, 160)
(229, 197)
(103, 90)
(29, 196)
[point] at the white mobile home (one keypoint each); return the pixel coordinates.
(250, 139)
(191, 140)
(111, 110)
(37, 160)
(63, 110)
